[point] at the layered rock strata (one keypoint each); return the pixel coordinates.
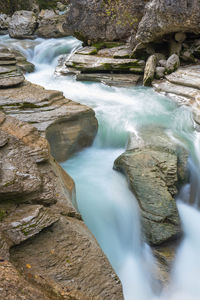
(183, 86)
(51, 246)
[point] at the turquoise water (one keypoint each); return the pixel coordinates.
(108, 207)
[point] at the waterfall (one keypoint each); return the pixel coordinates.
(108, 207)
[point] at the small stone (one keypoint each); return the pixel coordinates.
(180, 37)
(150, 70)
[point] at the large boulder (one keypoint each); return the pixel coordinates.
(23, 24)
(68, 126)
(51, 246)
(154, 167)
(116, 19)
(168, 16)
(183, 87)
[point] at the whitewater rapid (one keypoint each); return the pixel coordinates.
(108, 207)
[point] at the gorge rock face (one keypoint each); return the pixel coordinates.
(167, 16)
(103, 20)
(51, 246)
(153, 166)
(23, 24)
(68, 126)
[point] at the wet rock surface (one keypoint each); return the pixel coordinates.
(55, 252)
(154, 166)
(68, 126)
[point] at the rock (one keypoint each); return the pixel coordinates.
(87, 51)
(22, 25)
(4, 21)
(120, 80)
(160, 56)
(174, 47)
(116, 19)
(180, 37)
(173, 63)
(27, 221)
(9, 7)
(183, 87)
(68, 126)
(22, 63)
(36, 197)
(149, 70)
(92, 63)
(188, 56)
(14, 286)
(163, 63)
(154, 166)
(50, 25)
(160, 72)
(61, 6)
(168, 16)
(12, 64)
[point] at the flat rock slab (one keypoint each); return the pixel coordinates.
(121, 80)
(68, 126)
(92, 63)
(184, 87)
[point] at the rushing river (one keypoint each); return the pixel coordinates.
(103, 198)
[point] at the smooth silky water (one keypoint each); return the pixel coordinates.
(108, 207)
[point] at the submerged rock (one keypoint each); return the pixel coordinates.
(154, 166)
(68, 126)
(55, 252)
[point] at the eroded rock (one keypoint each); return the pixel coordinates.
(50, 24)
(92, 63)
(68, 126)
(22, 25)
(66, 261)
(154, 166)
(149, 70)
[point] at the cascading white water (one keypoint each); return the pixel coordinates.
(104, 200)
